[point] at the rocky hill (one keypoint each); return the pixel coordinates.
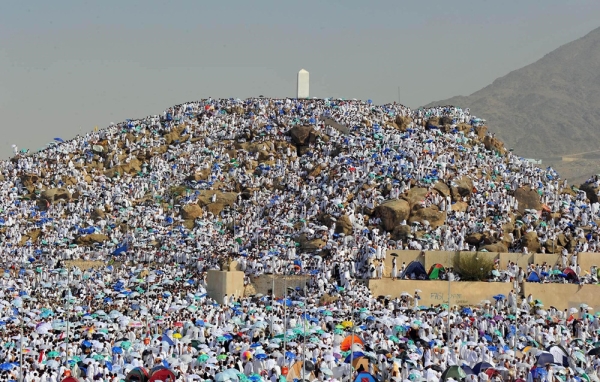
(230, 177)
(549, 109)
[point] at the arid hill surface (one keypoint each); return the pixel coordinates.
(549, 109)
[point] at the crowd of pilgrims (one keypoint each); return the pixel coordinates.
(122, 195)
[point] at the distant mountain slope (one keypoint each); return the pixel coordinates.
(548, 109)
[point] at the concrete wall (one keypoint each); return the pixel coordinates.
(520, 259)
(264, 283)
(436, 292)
(446, 258)
(220, 283)
(564, 296)
(561, 296)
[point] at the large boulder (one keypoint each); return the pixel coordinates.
(433, 122)
(343, 225)
(222, 200)
(403, 122)
(98, 214)
(191, 211)
(481, 131)
(493, 144)
(401, 232)
(300, 134)
(562, 240)
(29, 181)
(416, 195)
(431, 214)
(172, 137)
(392, 213)
(442, 188)
(461, 188)
(474, 238)
(89, 240)
(591, 191)
(316, 171)
(132, 167)
(312, 245)
(55, 194)
(30, 236)
(552, 246)
(531, 241)
(527, 199)
(460, 206)
(496, 247)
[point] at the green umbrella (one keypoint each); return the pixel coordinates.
(454, 372)
(203, 358)
(126, 345)
(53, 354)
(222, 357)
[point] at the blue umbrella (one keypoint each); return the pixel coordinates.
(499, 297)
(59, 139)
(6, 366)
(117, 350)
(290, 355)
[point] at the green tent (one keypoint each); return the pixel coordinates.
(435, 271)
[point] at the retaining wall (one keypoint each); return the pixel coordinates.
(564, 296)
(221, 283)
(436, 292)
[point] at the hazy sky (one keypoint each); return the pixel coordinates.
(67, 66)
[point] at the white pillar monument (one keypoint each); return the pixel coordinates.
(303, 81)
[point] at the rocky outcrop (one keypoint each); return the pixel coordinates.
(89, 240)
(401, 232)
(403, 122)
(461, 188)
(222, 200)
(54, 194)
(392, 213)
(442, 188)
(191, 211)
(430, 215)
(300, 135)
(98, 214)
(528, 199)
(531, 241)
(343, 225)
(494, 144)
(496, 247)
(591, 191)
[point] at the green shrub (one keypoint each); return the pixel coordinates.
(473, 266)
